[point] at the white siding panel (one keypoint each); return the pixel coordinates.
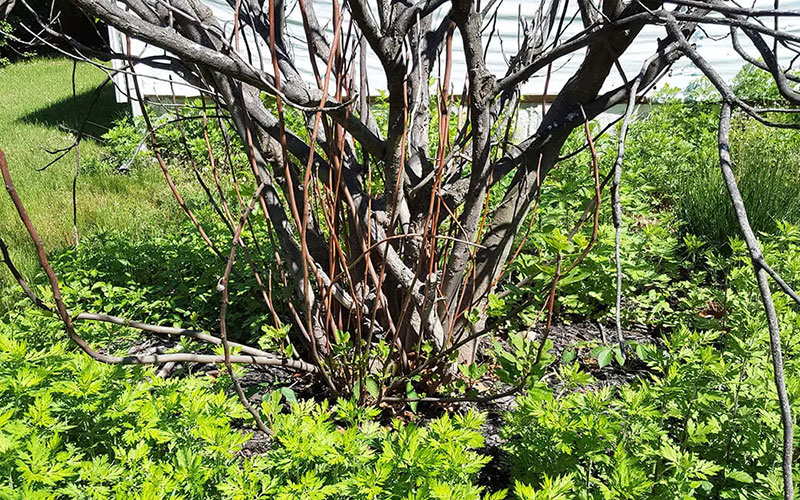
(502, 45)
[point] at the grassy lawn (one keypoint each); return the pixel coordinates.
(37, 112)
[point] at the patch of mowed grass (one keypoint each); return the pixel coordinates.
(37, 112)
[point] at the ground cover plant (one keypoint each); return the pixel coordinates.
(403, 273)
(696, 420)
(72, 428)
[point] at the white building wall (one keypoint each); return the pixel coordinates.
(501, 45)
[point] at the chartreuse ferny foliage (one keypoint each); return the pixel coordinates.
(697, 418)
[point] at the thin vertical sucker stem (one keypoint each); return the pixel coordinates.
(617, 208)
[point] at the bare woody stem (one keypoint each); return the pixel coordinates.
(766, 295)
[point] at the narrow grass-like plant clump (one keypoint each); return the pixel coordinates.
(673, 152)
(767, 167)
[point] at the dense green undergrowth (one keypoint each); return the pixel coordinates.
(699, 421)
(74, 428)
(704, 422)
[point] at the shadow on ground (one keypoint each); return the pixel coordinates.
(97, 106)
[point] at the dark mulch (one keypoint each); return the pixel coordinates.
(572, 335)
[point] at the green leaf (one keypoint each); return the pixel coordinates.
(411, 394)
(372, 387)
(604, 355)
(289, 394)
(473, 315)
(618, 356)
(741, 476)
